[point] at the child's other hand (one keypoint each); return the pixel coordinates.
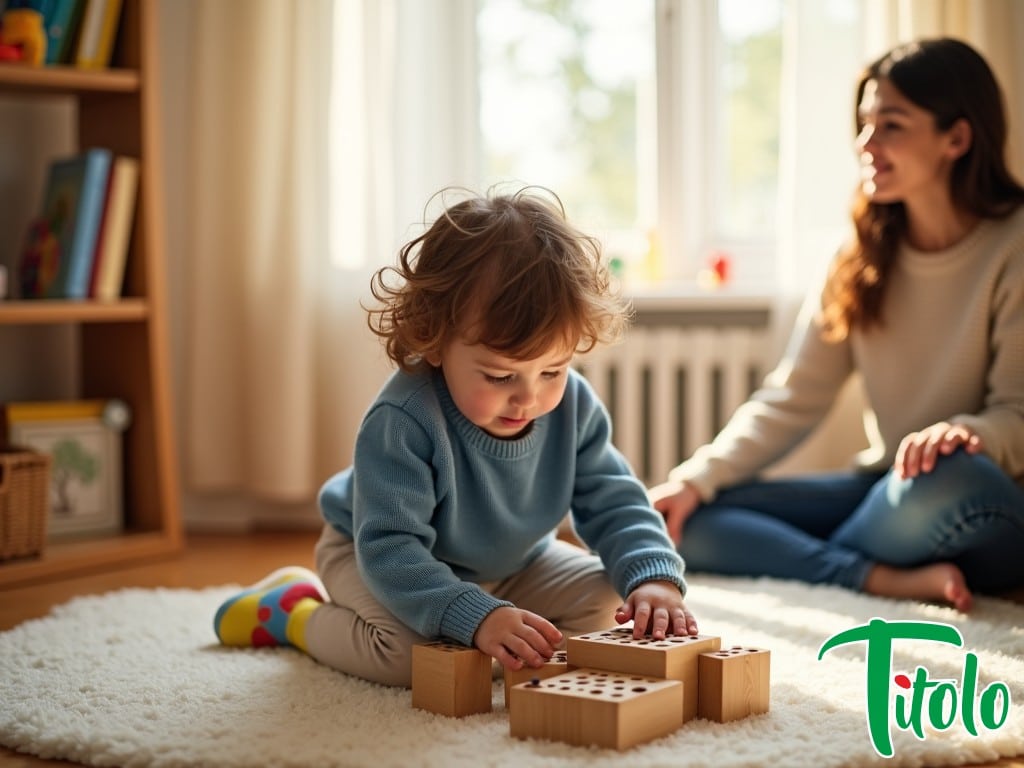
(657, 609)
(517, 638)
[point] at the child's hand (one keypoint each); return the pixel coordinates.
(517, 638)
(656, 608)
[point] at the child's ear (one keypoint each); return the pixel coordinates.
(433, 358)
(960, 138)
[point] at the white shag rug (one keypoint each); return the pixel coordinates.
(135, 678)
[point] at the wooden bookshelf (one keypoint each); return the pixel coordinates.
(122, 346)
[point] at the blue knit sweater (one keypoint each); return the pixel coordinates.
(436, 505)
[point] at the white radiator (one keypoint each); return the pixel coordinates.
(670, 389)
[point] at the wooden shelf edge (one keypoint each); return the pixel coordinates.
(43, 311)
(56, 81)
(62, 559)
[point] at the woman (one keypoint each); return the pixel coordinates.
(926, 303)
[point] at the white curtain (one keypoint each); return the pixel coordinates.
(278, 352)
(822, 55)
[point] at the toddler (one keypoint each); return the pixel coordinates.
(467, 461)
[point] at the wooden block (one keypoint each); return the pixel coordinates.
(450, 679)
(674, 658)
(734, 683)
(556, 665)
(595, 707)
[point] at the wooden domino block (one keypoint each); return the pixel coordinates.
(595, 707)
(556, 665)
(674, 658)
(734, 683)
(450, 679)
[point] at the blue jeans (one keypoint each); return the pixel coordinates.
(833, 528)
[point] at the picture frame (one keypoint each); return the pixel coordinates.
(84, 440)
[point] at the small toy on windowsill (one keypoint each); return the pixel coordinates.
(23, 37)
(717, 273)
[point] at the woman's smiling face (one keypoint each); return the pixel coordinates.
(903, 155)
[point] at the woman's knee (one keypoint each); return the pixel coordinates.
(958, 478)
(934, 515)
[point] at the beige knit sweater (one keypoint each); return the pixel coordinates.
(951, 349)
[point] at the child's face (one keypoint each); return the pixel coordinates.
(500, 395)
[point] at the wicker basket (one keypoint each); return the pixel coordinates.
(24, 501)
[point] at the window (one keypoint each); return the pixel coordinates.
(658, 122)
(567, 101)
(747, 117)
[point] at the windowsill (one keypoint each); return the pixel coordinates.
(690, 296)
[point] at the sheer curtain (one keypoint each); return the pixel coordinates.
(822, 55)
(278, 352)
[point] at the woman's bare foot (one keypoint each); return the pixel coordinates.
(939, 581)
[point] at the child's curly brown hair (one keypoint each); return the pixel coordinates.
(503, 270)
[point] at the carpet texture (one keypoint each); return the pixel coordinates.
(135, 678)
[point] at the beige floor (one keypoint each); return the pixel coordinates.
(207, 561)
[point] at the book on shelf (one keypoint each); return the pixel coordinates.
(62, 20)
(97, 33)
(113, 241)
(57, 261)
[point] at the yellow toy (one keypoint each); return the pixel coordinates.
(23, 37)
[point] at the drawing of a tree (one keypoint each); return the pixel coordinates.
(71, 460)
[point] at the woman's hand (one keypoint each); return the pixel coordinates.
(919, 451)
(676, 501)
(517, 638)
(657, 609)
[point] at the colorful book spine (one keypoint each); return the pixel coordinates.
(98, 32)
(114, 241)
(61, 20)
(94, 271)
(73, 207)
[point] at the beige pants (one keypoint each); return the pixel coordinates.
(355, 634)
